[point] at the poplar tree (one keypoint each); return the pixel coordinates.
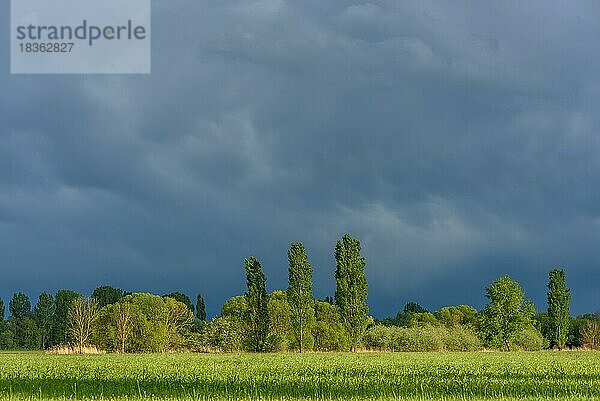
(559, 297)
(200, 308)
(257, 300)
(300, 295)
(351, 290)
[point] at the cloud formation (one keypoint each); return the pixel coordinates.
(457, 141)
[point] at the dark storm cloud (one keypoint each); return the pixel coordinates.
(457, 141)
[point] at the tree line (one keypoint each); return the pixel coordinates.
(117, 321)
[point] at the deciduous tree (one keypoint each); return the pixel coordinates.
(19, 306)
(200, 308)
(184, 299)
(107, 295)
(590, 334)
(43, 313)
(281, 336)
(351, 290)
(63, 300)
(82, 314)
(559, 316)
(507, 313)
(257, 300)
(300, 296)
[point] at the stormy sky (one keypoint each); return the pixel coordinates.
(459, 141)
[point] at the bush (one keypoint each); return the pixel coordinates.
(225, 334)
(328, 332)
(416, 339)
(461, 338)
(425, 338)
(379, 337)
(530, 339)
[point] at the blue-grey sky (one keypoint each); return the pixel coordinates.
(459, 141)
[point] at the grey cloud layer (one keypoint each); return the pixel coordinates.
(458, 142)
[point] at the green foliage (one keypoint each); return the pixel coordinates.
(328, 332)
(179, 321)
(529, 339)
(6, 333)
(461, 315)
(351, 288)
(413, 314)
(142, 323)
(184, 299)
(280, 336)
(507, 314)
(19, 306)
(541, 322)
(235, 307)
(422, 319)
(300, 296)
(257, 300)
(152, 331)
(44, 315)
(462, 338)
(63, 300)
(7, 336)
(26, 334)
(198, 326)
(559, 316)
(200, 308)
(413, 307)
(116, 327)
(107, 295)
(225, 333)
(422, 338)
(576, 328)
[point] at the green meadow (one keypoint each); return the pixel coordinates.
(542, 375)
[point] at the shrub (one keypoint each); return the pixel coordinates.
(530, 339)
(461, 338)
(425, 338)
(379, 337)
(225, 334)
(328, 332)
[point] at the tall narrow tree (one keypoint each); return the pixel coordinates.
(351, 290)
(200, 308)
(257, 300)
(44, 314)
(559, 297)
(300, 296)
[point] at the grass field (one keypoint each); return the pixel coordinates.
(412, 376)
